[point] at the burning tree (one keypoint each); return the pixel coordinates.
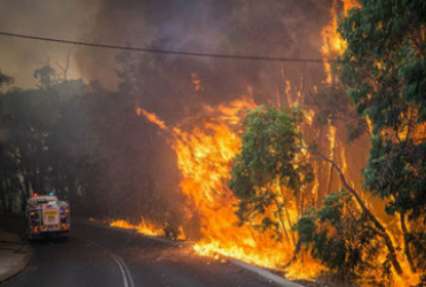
(385, 78)
(265, 179)
(271, 171)
(268, 177)
(384, 72)
(205, 147)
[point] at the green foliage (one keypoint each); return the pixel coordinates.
(339, 236)
(271, 157)
(397, 171)
(384, 65)
(384, 72)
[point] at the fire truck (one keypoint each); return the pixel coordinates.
(47, 216)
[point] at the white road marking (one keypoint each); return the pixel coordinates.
(123, 272)
(126, 270)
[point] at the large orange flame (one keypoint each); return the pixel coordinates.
(204, 155)
(333, 44)
(205, 151)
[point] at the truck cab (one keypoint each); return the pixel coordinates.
(47, 216)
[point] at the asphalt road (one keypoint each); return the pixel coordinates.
(97, 256)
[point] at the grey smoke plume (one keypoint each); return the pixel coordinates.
(272, 28)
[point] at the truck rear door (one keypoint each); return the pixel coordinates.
(51, 217)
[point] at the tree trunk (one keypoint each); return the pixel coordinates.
(381, 229)
(406, 242)
(281, 221)
(293, 239)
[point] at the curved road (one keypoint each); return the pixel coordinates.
(98, 256)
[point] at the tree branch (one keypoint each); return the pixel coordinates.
(384, 234)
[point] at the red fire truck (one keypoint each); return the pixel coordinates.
(46, 215)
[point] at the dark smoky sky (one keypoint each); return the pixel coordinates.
(52, 18)
(163, 83)
(268, 27)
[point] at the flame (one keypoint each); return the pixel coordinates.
(333, 44)
(419, 134)
(205, 152)
(332, 47)
(151, 117)
(143, 227)
(331, 136)
(204, 155)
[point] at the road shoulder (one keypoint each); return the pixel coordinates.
(15, 255)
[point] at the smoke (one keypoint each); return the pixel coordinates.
(176, 87)
(50, 18)
(279, 28)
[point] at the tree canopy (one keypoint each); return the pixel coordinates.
(271, 166)
(384, 72)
